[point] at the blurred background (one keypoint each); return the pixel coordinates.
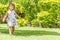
(34, 13)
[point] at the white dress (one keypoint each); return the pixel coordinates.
(11, 19)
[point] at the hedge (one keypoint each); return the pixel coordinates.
(36, 12)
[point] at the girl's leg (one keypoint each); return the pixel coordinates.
(11, 29)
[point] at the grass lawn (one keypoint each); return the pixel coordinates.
(30, 33)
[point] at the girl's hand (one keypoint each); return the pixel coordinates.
(3, 20)
(19, 17)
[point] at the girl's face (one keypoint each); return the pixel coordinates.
(11, 7)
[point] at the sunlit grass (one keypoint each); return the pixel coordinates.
(30, 33)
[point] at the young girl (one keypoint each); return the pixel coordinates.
(11, 19)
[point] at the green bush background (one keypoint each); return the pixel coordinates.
(35, 13)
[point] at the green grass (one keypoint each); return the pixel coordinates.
(30, 33)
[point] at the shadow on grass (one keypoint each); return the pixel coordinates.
(29, 32)
(36, 32)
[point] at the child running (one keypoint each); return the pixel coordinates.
(11, 19)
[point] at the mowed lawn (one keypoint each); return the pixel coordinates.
(30, 33)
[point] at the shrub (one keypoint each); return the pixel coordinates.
(44, 12)
(35, 23)
(46, 19)
(22, 22)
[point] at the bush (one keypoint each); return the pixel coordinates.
(46, 19)
(22, 22)
(44, 12)
(35, 23)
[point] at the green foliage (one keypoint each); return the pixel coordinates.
(22, 22)
(47, 19)
(36, 12)
(35, 23)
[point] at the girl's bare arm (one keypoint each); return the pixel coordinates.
(4, 18)
(17, 15)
